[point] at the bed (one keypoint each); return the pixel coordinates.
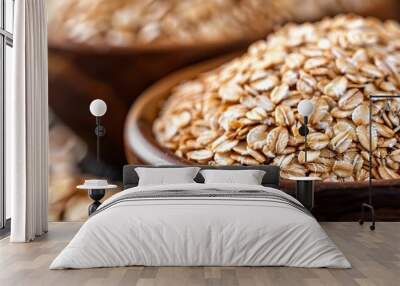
(201, 224)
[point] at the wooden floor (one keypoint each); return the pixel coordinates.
(375, 257)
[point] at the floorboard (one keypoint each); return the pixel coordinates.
(375, 257)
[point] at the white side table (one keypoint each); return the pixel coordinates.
(96, 193)
(305, 190)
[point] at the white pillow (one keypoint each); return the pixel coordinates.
(166, 176)
(248, 177)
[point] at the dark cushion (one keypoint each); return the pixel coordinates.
(270, 179)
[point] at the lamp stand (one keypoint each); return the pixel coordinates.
(303, 130)
(100, 131)
(369, 205)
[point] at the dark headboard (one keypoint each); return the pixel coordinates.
(271, 177)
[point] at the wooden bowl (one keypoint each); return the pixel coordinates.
(80, 73)
(140, 144)
(333, 201)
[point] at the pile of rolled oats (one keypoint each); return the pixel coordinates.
(245, 112)
(127, 22)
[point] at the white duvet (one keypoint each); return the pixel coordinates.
(200, 231)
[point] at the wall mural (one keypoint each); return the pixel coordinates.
(239, 103)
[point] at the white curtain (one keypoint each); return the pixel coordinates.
(27, 123)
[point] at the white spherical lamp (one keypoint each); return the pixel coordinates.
(98, 107)
(305, 107)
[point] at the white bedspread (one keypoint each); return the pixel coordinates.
(200, 231)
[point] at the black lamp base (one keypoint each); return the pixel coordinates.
(372, 210)
(96, 196)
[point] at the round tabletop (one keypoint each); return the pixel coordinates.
(305, 178)
(104, 187)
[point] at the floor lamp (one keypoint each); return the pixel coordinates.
(98, 108)
(305, 108)
(369, 205)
